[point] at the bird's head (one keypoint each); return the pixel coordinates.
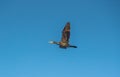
(51, 42)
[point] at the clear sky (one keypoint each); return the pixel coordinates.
(26, 26)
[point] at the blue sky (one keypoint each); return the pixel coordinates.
(26, 26)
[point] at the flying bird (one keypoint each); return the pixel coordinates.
(64, 43)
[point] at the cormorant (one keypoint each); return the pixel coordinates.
(64, 43)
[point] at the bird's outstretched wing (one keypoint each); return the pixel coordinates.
(66, 33)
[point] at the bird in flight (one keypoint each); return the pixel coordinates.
(64, 43)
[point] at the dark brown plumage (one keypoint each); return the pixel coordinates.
(65, 36)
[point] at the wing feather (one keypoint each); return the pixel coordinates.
(66, 33)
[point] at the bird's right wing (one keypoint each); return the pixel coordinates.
(66, 33)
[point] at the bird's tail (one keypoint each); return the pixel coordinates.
(72, 46)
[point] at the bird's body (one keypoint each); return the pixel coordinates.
(64, 43)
